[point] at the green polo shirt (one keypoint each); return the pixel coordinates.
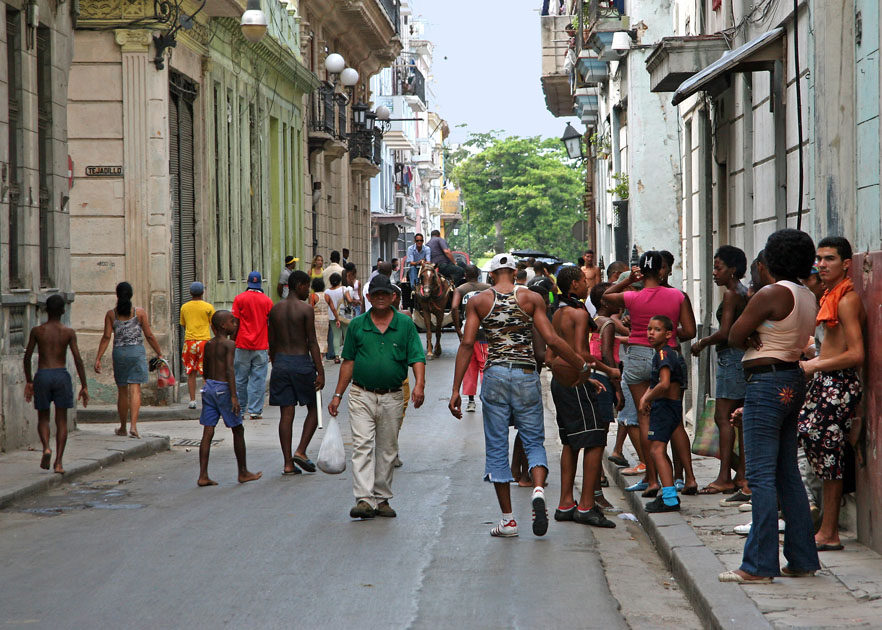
(381, 359)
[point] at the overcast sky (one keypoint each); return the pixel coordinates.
(487, 66)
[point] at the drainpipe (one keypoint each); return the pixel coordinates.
(316, 198)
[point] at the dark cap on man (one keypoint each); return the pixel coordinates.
(381, 283)
(255, 281)
(197, 288)
(291, 259)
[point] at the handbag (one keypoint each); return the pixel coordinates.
(707, 438)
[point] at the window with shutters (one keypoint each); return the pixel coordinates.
(44, 147)
(182, 93)
(12, 173)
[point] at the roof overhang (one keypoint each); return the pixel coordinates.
(756, 55)
(675, 59)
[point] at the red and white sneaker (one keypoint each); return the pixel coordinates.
(505, 529)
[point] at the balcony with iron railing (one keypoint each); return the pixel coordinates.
(599, 20)
(327, 124)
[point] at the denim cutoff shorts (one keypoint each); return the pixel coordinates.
(730, 374)
(638, 365)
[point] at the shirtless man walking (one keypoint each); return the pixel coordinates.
(297, 369)
(834, 391)
(511, 387)
(591, 271)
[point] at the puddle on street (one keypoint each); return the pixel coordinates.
(95, 495)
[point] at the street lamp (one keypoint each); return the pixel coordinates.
(334, 63)
(359, 114)
(572, 140)
(349, 77)
(369, 119)
(253, 23)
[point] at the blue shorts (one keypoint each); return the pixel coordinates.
(216, 403)
(53, 386)
(664, 418)
(638, 364)
(730, 374)
(292, 381)
(606, 400)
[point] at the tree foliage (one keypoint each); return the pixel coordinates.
(521, 193)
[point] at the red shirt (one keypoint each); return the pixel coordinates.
(252, 309)
(643, 305)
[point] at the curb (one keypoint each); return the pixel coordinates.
(147, 446)
(695, 567)
(108, 414)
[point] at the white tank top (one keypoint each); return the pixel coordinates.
(785, 339)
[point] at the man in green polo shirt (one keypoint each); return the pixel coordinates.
(379, 346)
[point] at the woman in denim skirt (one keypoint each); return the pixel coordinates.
(774, 329)
(730, 265)
(128, 325)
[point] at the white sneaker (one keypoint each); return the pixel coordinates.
(192, 405)
(745, 507)
(505, 529)
(470, 406)
(744, 530)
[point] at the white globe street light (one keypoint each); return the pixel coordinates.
(349, 77)
(253, 23)
(334, 63)
(383, 113)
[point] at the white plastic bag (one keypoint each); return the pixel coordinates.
(332, 456)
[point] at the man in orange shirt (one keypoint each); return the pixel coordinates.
(251, 308)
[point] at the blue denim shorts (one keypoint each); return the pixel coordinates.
(628, 415)
(53, 386)
(730, 374)
(638, 364)
(664, 418)
(510, 393)
(217, 403)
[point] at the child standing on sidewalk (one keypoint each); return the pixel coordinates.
(52, 382)
(219, 397)
(663, 403)
(196, 320)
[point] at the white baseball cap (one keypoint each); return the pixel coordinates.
(502, 261)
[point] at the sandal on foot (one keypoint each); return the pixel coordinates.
(618, 460)
(640, 486)
(305, 463)
(712, 488)
(45, 460)
(829, 547)
(650, 493)
(731, 576)
(689, 491)
(288, 473)
(795, 573)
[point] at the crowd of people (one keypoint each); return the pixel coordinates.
(788, 350)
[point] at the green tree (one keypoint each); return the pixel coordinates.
(523, 193)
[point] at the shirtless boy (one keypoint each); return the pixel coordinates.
(52, 382)
(297, 369)
(590, 270)
(834, 391)
(219, 397)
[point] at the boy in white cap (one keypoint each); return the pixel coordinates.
(196, 320)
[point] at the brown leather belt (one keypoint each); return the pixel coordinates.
(377, 391)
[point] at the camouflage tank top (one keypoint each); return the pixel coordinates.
(509, 331)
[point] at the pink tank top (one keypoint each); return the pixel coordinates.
(645, 304)
(784, 339)
(595, 346)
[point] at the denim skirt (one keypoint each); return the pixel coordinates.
(730, 374)
(638, 365)
(130, 365)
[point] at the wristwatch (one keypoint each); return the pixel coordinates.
(337, 396)
(585, 367)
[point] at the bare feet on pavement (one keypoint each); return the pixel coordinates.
(249, 476)
(205, 481)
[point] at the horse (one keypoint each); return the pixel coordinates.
(430, 297)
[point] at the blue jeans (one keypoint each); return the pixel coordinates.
(412, 272)
(251, 367)
(511, 394)
(771, 407)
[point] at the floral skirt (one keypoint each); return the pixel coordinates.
(831, 402)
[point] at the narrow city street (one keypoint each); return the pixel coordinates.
(139, 545)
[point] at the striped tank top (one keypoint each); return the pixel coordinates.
(509, 331)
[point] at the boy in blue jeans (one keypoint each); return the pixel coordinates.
(219, 398)
(663, 402)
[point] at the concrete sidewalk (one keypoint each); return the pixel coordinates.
(107, 414)
(86, 451)
(699, 543)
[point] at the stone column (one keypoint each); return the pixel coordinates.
(135, 51)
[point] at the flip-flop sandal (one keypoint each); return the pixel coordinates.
(618, 460)
(288, 473)
(712, 489)
(826, 547)
(44, 461)
(604, 483)
(305, 463)
(689, 491)
(650, 493)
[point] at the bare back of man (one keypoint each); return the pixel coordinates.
(217, 352)
(53, 339)
(297, 373)
(592, 275)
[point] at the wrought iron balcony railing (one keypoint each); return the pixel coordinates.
(393, 10)
(322, 110)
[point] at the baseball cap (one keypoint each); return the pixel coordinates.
(381, 283)
(502, 261)
(290, 259)
(254, 280)
(197, 288)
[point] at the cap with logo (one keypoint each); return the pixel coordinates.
(502, 261)
(291, 259)
(381, 283)
(254, 280)
(197, 288)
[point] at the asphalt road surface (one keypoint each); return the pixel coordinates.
(139, 545)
